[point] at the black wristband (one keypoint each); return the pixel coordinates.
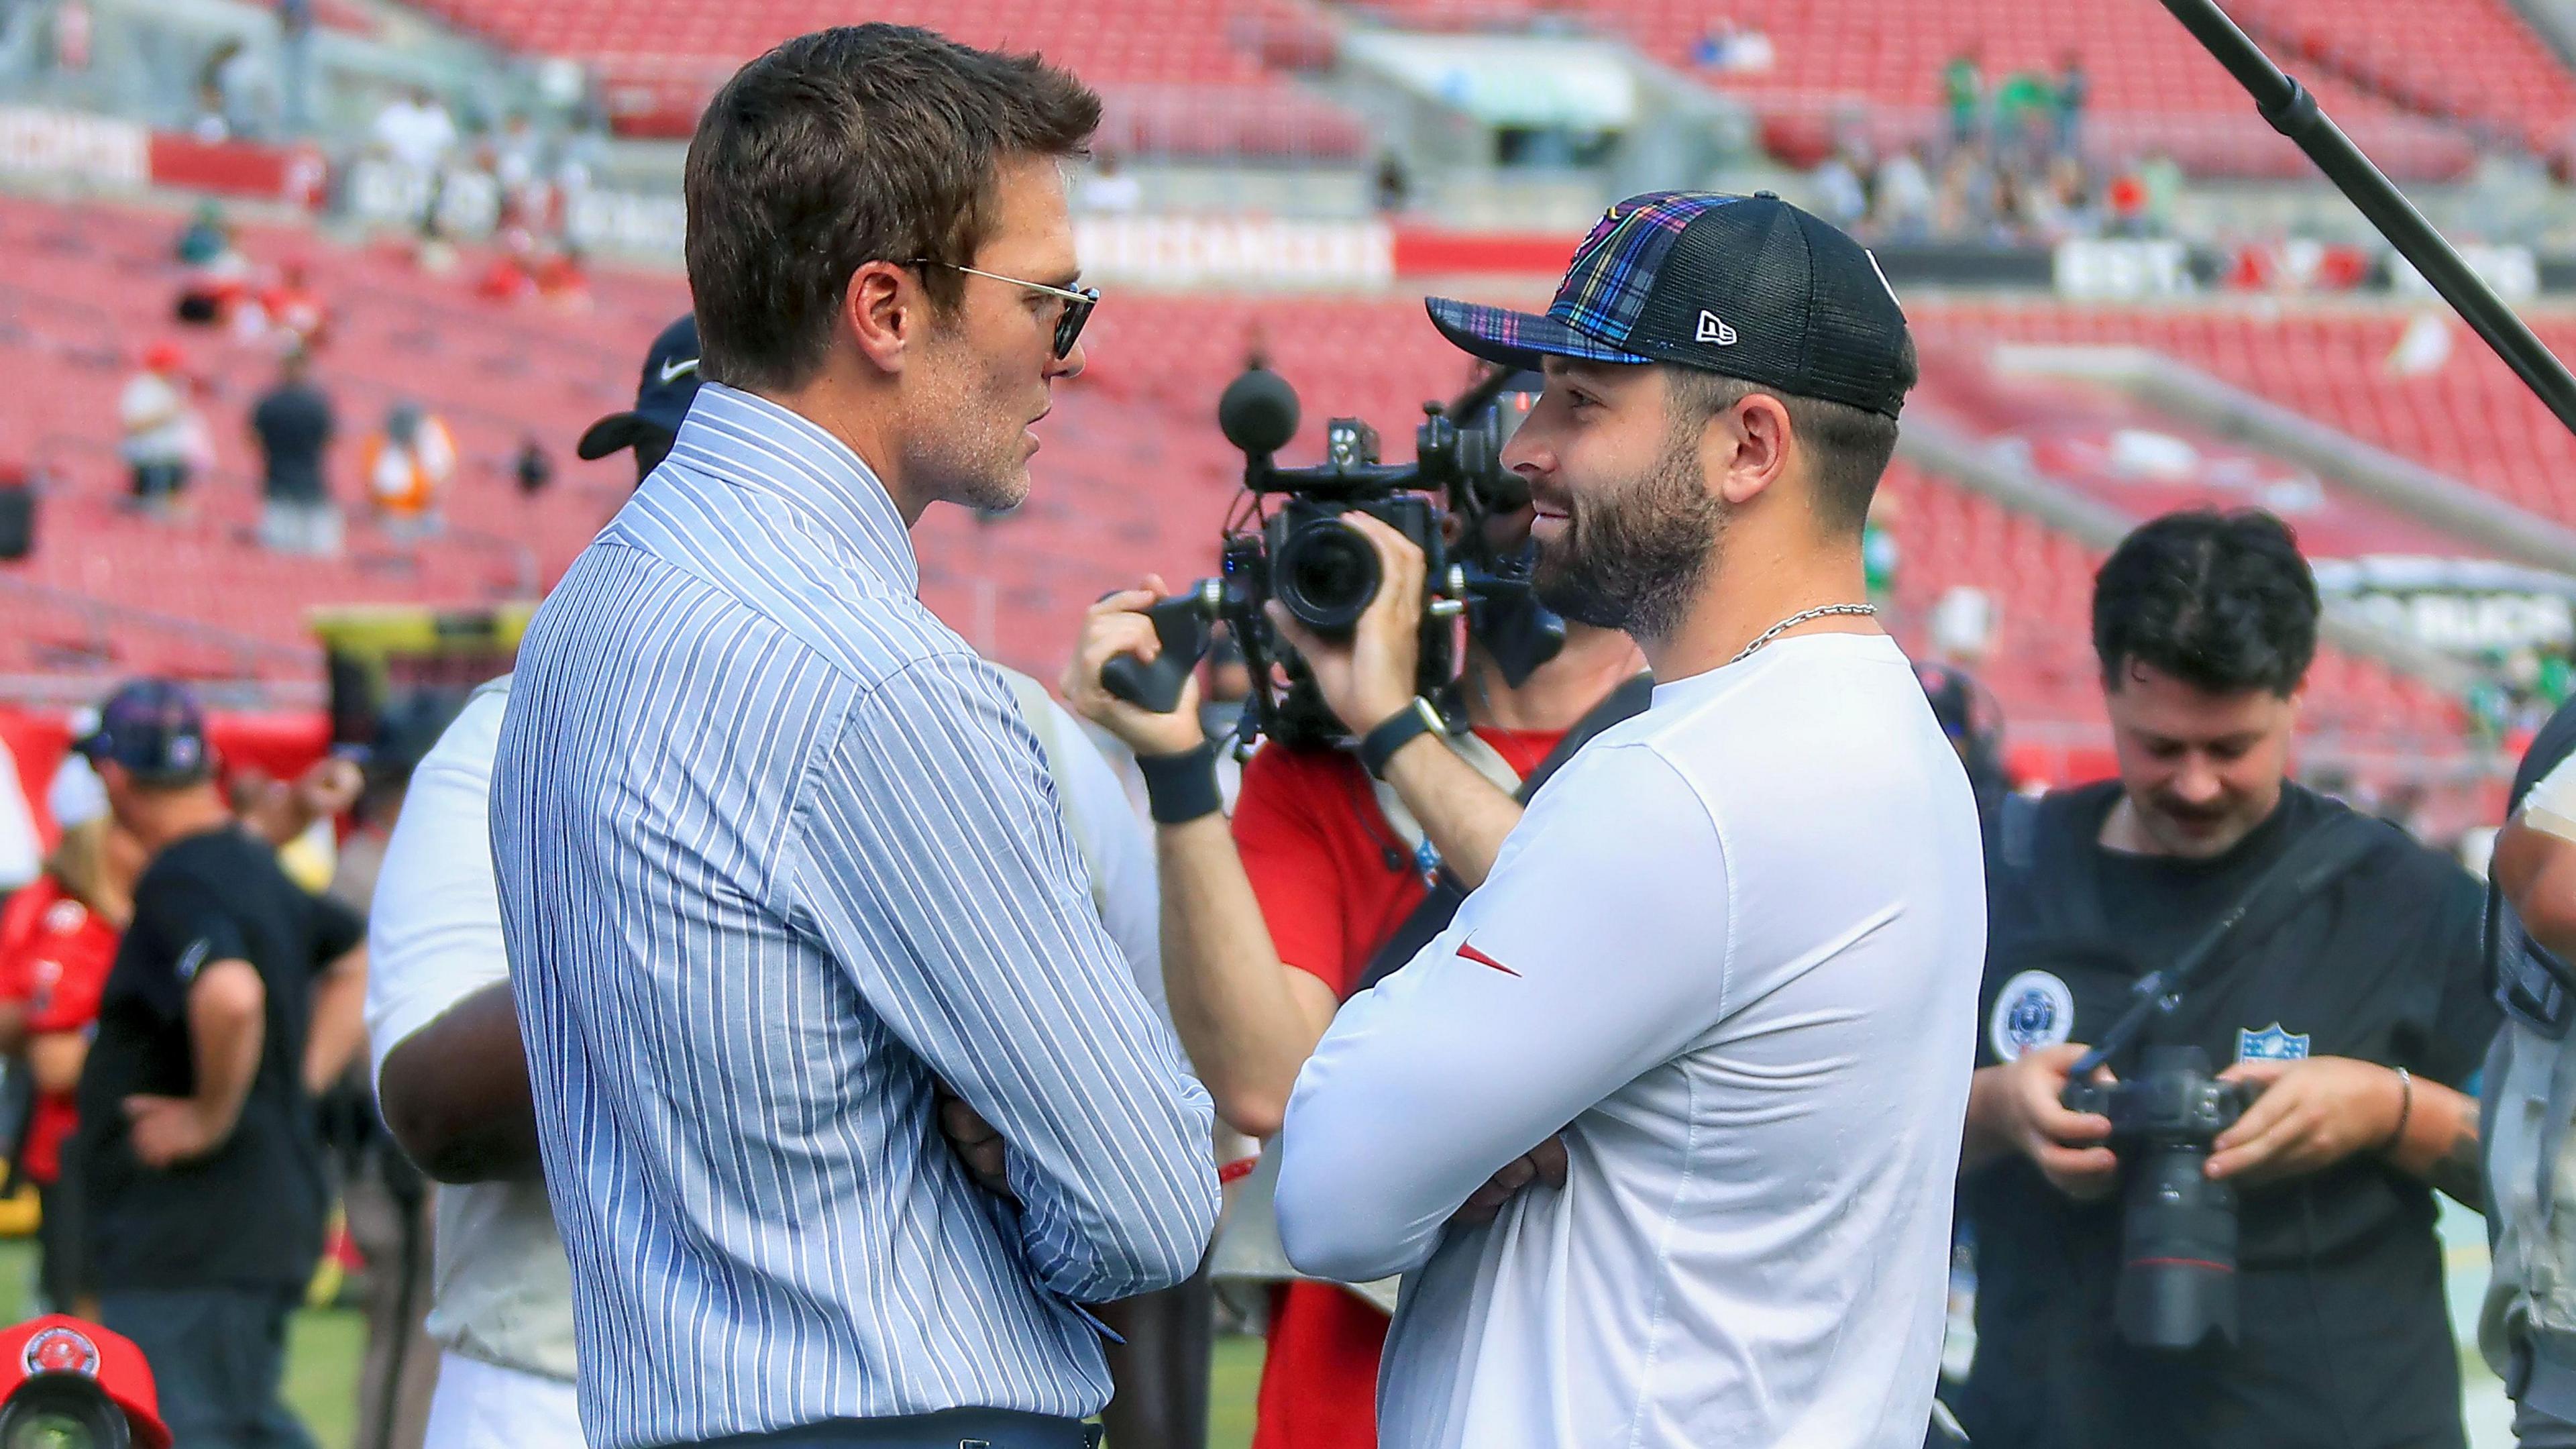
(1396, 731)
(1181, 788)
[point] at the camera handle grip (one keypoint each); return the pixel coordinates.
(1181, 622)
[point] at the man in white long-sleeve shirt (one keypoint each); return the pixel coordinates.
(1729, 957)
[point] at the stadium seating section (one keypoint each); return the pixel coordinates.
(2468, 417)
(2371, 62)
(1179, 77)
(1133, 476)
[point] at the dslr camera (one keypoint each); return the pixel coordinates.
(2177, 1228)
(1290, 539)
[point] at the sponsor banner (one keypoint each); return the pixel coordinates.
(2465, 606)
(106, 152)
(296, 175)
(1192, 251)
(2119, 270)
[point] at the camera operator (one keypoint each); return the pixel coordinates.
(2348, 1003)
(1272, 919)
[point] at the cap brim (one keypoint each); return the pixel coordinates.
(1517, 339)
(614, 432)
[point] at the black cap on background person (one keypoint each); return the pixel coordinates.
(155, 731)
(662, 397)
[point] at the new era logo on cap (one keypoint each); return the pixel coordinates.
(1669, 275)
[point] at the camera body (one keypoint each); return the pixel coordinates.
(1303, 551)
(2177, 1283)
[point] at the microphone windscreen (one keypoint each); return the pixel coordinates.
(1258, 412)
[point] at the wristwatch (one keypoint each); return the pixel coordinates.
(1379, 745)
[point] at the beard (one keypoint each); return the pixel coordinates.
(1633, 556)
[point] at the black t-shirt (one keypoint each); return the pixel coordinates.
(294, 426)
(2344, 1336)
(250, 1214)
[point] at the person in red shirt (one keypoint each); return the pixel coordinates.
(57, 939)
(1271, 921)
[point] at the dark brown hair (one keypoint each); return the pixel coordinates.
(1850, 446)
(857, 144)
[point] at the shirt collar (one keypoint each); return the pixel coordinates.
(740, 438)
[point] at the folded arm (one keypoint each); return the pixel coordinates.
(935, 862)
(1575, 969)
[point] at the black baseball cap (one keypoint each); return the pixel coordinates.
(1748, 287)
(154, 729)
(662, 397)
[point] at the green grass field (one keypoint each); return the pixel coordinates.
(325, 1345)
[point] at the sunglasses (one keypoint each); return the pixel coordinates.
(1077, 304)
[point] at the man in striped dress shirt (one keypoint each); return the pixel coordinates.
(780, 866)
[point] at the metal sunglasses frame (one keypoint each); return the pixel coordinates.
(1077, 303)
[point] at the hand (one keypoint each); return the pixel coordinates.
(1543, 1163)
(1368, 677)
(2310, 1115)
(2066, 1146)
(976, 1144)
(1117, 625)
(167, 1131)
(327, 790)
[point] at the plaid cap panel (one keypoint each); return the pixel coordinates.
(1606, 286)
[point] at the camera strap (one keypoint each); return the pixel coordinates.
(1440, 903)
(2310, 863)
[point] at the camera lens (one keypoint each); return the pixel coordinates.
(1326, 572)
(62, 1411)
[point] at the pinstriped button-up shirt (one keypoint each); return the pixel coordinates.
(776, 853)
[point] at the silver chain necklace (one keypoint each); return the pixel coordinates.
(1794, 620)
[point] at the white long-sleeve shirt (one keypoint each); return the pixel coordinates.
(1731, 953)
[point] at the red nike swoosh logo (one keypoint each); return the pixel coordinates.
(1481, 959)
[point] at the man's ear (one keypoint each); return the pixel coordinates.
(1758, 430)
(883, 310)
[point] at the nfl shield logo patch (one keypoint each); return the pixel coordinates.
(2271, 1044)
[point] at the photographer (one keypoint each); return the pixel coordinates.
(2348, 1002)
(1272, 919)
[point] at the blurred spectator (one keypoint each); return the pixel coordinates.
(292, 424)
(234, 997)
(206, 236)
(1840, 197)
(2125, 202)
(408, 466)
(1963, 94)
(1901, 209)
(2025, 118)
(1880, 553)
(57, 939)
(1735, 50)
(1392, 188)
(2163, 180)
(294, 308)
(562, 280)
(533, 469)
(2073, 91)
(72, 34)
(218, 275)
(209, 125)
(160, 429)
(1111, 187)
(416, 131)
(295, 65)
